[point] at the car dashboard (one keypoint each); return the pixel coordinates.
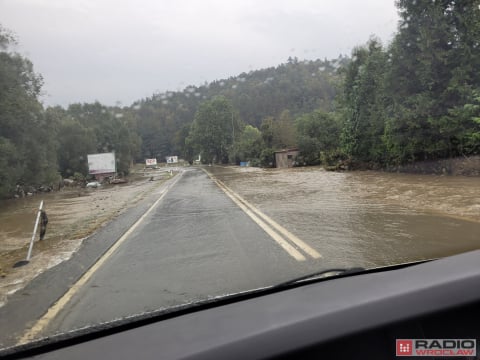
(351, 317)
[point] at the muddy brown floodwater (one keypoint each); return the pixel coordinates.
(366, 218)
(352, 218)
(73, 214)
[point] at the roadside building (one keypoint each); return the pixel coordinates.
(286, 158)
(102, 165)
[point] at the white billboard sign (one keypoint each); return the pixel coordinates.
(101, 163)
(150, 162)
(172, 159)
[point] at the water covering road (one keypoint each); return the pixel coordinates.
(197, 243)
(366, 218)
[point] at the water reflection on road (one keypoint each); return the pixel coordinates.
(366, 218)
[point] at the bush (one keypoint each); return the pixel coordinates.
(267, 157)
(333, 157)
(78, 177)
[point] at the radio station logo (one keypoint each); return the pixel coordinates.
(436, 347)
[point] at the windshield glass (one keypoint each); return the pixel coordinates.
(158, 153)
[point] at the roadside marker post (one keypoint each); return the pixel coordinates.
(29, 255)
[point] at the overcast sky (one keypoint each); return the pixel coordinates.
(125, 50)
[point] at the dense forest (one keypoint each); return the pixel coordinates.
(415, 98)
(419, 97)
(165, 121)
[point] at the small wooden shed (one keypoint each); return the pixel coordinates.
(286, 158)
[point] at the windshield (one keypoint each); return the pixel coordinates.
(155, 154)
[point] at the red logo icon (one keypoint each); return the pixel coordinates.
(404, 347)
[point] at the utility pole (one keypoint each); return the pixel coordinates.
(233, 130)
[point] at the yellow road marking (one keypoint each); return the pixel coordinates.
(245, 204)
(300, 243)
(41, 324)
(284, 244)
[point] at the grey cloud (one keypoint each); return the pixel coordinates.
(125, 50)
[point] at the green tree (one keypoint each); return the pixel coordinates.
(248, 147)
(10, 165)
(27, 147)
(432, 75)
(364, 103)
(318, 136)
(279, 133)
(183, 144)
(213, 130)
(75, 143)
(284, 135)
(113, 131)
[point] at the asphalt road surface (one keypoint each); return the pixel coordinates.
(195, 243)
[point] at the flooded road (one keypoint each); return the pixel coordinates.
(73, 215)
(366, 218)
(193, 240)
(352, 218)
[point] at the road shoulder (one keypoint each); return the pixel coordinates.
(27, 305)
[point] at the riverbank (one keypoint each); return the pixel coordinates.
(74, 214)
(459, 166)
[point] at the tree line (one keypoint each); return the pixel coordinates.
(39, 146)
(419, 97)
(165, 120)
(416, 98)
